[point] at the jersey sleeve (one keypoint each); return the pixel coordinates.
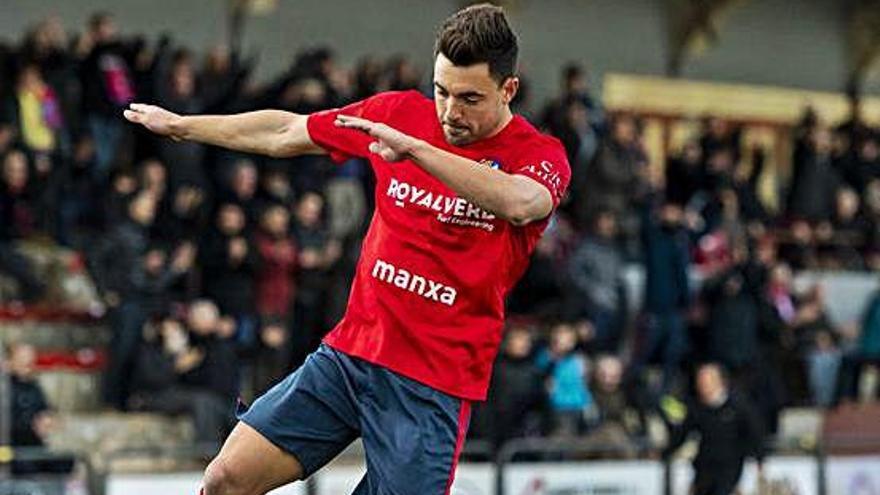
(547, 165)
(341, 143)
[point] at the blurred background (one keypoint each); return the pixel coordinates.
(724, 208)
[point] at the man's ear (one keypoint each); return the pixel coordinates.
(509, 88)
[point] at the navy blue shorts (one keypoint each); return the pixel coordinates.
(412, 433)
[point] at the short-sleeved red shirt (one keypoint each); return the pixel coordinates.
(428, 296)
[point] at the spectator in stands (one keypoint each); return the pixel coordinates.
(187, 216)
(16, 222)
(272, 356)
(718, 134)
(595, 269)
(823, 364)
(221, 78)
(77, 201)
(729, 432)
(663, 334)
(540, 292)
(242, 190)
(581, 140)
(275, 288)
(278, 254)
(36, 111)
(154, 276)
(567, 378)
(810, 322)
(112, 264)
(123, 186)
(318, 253)
(275, 187)
(872, 215)
(732, 300)
(814, 181)
(685, 176)
(846, 236)
(517, 401)
(107, 87)
(403, 74)
(213, 335)
(115, 255)
(32, 418)
(229, 262)
(864, 166)
(574, 86)
(617, 174)
(621, 425)
(164, 357)
(864, 355)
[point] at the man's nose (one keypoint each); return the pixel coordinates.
(452, 112)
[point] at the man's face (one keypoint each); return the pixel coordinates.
(470, 103)
(710, 383)
(21, 360)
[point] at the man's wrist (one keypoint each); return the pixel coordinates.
(178, 128)
(418, 149)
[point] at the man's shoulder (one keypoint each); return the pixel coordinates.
(529, 137)
(397, 98)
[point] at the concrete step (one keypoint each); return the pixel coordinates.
(102, 436)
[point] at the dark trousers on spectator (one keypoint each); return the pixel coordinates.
(18, 267)
(716, 479)
(851, 368)
(127, 321)
(664, 338)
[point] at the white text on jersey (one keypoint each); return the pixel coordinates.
(416, 284)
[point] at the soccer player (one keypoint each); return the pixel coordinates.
(464, 190)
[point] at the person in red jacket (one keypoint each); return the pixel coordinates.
(278, 251)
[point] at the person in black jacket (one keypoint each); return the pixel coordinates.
(667, 289)
(107, 86)
(729, 432)
(229, 261)
(164, 358)
(218, 372)
(113, 264)
(16, 219)
(516, 404)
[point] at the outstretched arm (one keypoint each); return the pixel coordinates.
(267, 132)
(515, 198)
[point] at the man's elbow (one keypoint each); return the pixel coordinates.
(529, 207)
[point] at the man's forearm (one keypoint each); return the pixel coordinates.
(268, 132)
(515, 198)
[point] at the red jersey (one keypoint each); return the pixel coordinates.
(427, 299)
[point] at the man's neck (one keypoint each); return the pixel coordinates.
(505, 120)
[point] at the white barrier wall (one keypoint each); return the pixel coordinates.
(792, 475)
(857, 475)
(187, 483)
(607, 478)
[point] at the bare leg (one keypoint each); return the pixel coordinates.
(249, 464)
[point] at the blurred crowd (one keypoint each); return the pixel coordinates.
(221, 271)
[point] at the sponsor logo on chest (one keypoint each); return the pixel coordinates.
(417, 284)
(450, 209)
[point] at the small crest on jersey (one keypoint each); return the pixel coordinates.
(493, 164)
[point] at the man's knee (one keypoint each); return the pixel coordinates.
(222, 479)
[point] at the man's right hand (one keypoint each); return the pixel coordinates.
(154, 118)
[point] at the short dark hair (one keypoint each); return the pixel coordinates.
(98, 18)
(477, 34)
